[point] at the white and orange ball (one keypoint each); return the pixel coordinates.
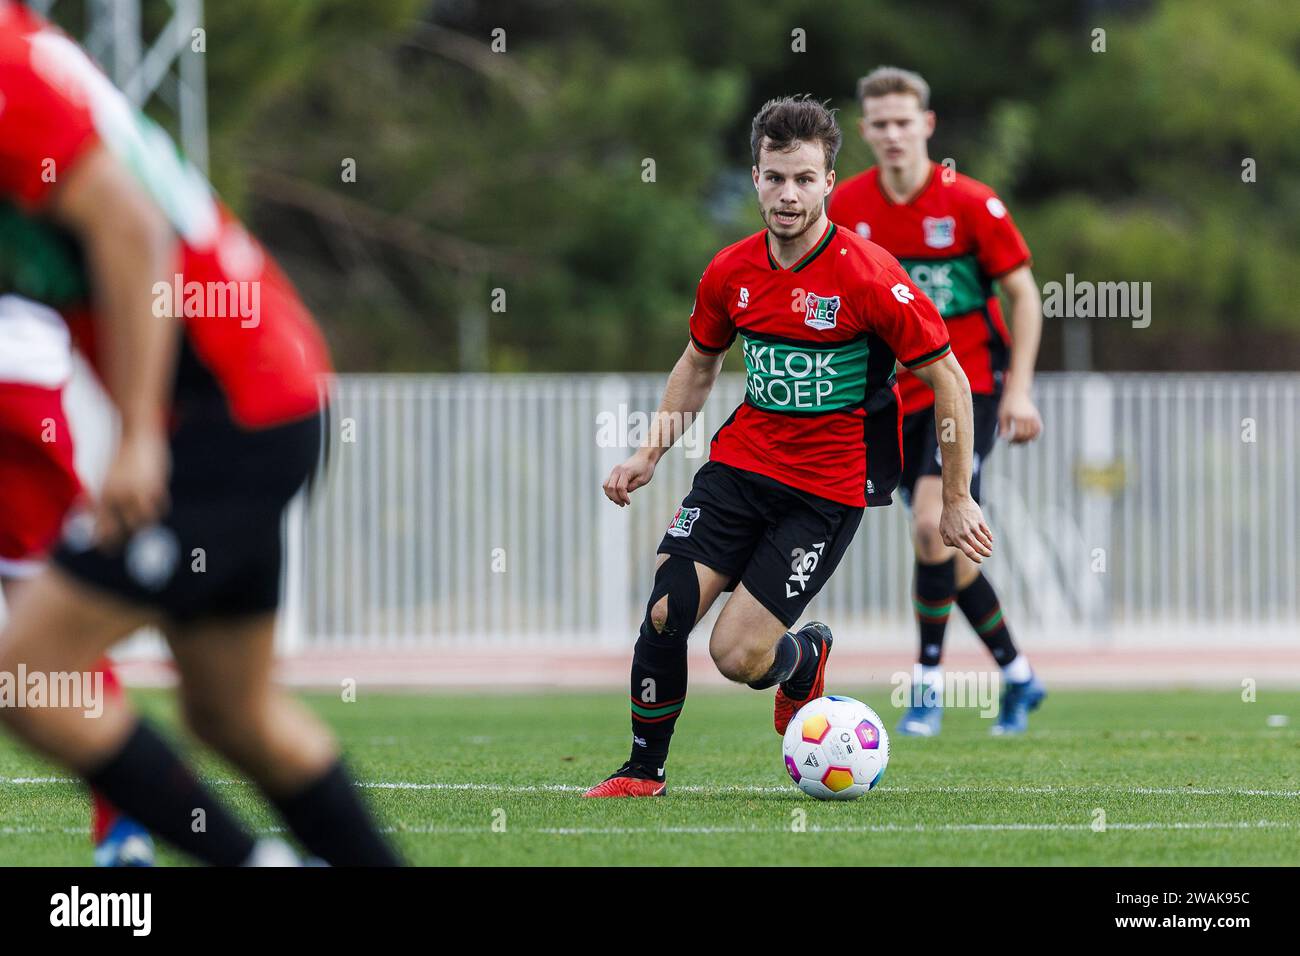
(836, 748)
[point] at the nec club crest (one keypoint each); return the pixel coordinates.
(939, 232)
(822, 310)
(680, 526)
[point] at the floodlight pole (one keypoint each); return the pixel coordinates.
(167, 68)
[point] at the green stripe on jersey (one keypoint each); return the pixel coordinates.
(804, 377)
(39, 260)
(956, 286)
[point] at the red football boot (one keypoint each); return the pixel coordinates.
(628, 781)
(786, 707)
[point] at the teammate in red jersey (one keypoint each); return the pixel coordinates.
(823, 316)
(38, 486)
(214, 365)
(956, 240)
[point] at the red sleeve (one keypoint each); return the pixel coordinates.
(905, 318)
(999, 246)
(42, 131)
(712, 330)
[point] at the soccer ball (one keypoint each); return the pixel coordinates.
(836, 748)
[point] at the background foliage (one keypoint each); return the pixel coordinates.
(522, 170)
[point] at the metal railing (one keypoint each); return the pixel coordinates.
(464, 509)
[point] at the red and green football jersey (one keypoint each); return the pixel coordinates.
(954, 238)
(820, 342)
(55, 108)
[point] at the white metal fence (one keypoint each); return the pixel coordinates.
(468, 509)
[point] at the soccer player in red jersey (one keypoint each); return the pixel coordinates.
(957, 241)
(214, 366)
(822, 315)
(38, 486)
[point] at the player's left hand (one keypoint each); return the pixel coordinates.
(135, 488)
(1018, 418)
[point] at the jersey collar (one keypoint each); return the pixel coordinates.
(925, 186)
(808, 256)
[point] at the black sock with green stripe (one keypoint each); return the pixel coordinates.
(932, 598)
(658, 693)
(979, 603)
(794, 660)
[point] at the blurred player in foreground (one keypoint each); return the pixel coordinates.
(956, 239)
(214, 366)
(38, 486)
(814, 443)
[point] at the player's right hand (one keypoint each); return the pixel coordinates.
(628, 477)
(135, 488)
(1018, 418)
(962, 527)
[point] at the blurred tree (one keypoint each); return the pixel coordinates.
(582, 176)
(1139, 173)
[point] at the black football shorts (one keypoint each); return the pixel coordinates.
(921, 445)
(780, 542)
(218, 551)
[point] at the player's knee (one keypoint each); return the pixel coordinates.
(203, 720)
(659, 614)
(929, 542)
(217, 726)
(675, 601)
(734, 658)
(967, 572)
(739, 663)
(727, 661)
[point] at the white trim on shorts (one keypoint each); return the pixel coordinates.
(20, 568)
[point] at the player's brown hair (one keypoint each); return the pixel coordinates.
(884, 80)
(788, 120)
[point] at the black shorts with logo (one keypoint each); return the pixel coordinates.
(780, 542)
(921, 445)
(217, 552)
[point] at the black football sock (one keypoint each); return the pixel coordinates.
(147, 781)
(658, 684)
(799, 684)
(933, 596)
(329, 819)
(658, 693)
(979, 603)
(794, 665)
(786, 657)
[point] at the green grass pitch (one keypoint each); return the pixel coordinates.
(1182, 777)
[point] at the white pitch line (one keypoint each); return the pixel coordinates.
(920, 828)
(724, 830)
(739, 788)
(757, 788)
(506, 788)
(865, 828)
(1103, 788)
